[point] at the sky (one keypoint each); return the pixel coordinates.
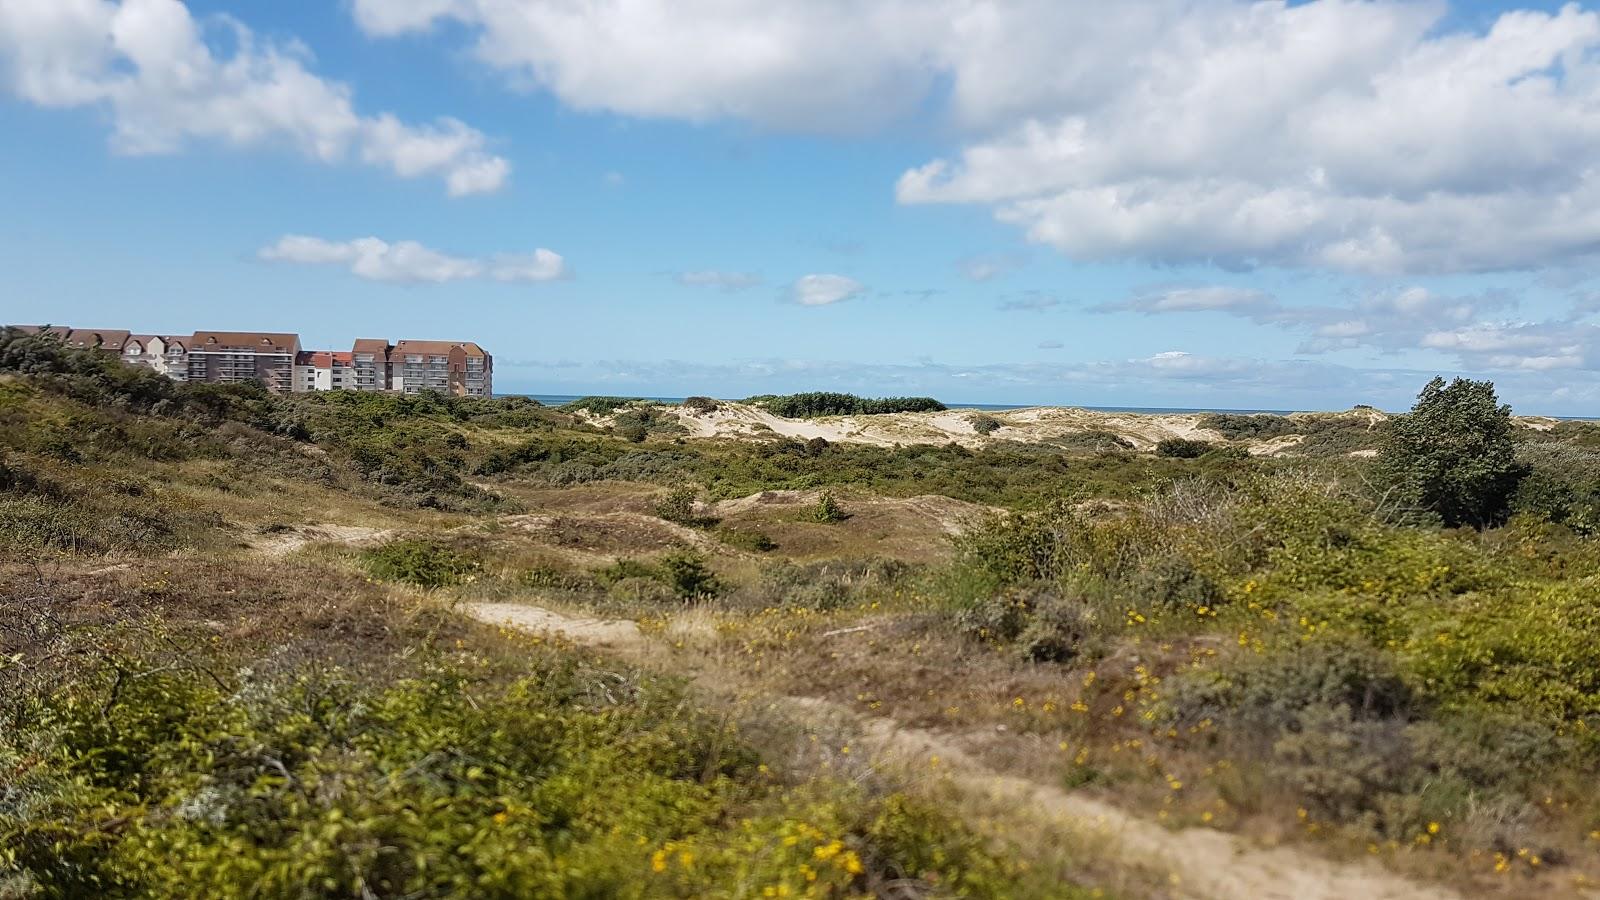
(1174, 203)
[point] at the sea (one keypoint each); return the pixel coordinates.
(559, 399)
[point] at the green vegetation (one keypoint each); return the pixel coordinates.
(422, 563)
(827, 510)
(1455, 454)
(824, 403)
(1237, 427)
(984, 424)
(1183, 448)
(231, 661)
(599, 406)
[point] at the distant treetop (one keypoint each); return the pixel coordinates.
(827, 403)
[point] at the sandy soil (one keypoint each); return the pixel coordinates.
(287, 541)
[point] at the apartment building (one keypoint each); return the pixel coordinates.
(449, 367)
(276, 360)
(230, 357)
(167, 354)
(324, 370)
(370, 359)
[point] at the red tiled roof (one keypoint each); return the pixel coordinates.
(258, 341)
(323, 359)
(438, 348)
(104, 338)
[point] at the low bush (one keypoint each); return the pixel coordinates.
(422, 563)
(1036, 621)
(746, 539)
(1259, 426)
(827, 510)
(984, 424)
(1182, 448)
(685, 572)
(701, 405)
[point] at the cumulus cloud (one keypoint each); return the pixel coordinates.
(824, 290)
(153, 67)
(540, 265)
(410, 262)
(724, 281)
(1356, 136)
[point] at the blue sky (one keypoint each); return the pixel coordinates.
(1184, 203)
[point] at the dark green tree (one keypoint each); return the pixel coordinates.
(1454, 454)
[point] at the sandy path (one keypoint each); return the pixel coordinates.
(286, 542)
(1206, 863)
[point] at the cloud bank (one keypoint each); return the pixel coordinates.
(1354, 136)
(408, 262)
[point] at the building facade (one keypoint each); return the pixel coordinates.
(276, 360)
(323, 370)
(448, 367)
(232, 357)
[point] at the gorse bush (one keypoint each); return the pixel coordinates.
(824, 403)
(314, 782)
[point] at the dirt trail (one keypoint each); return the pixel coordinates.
(1206, 863)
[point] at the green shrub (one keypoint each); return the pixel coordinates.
(677, 505)
(827, 510)
(746, 539)
(1236, 427)
(701, 404)
(1170, 583)
(1034, 620)
(1455, 454)
(420, 562)
(1182, 448)
(686, 573)
(985, 424)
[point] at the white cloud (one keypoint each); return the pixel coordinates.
(410, 262)
(1356, 136)
(156, 71)
(824, 290)
(540, 265)
(810, 64)
(1239, 301)
(726, 281)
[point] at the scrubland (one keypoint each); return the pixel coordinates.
(260, 646)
